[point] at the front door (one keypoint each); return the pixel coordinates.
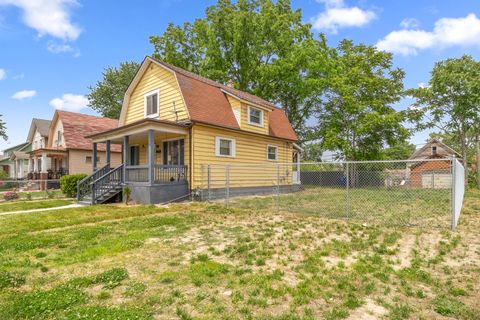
(174, 152)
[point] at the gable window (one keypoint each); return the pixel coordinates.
(272, 153)
(434, 150)
(224, 147)
(59, 138)
(255, 116)
(151, 104)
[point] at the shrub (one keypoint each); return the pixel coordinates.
(28, 196)
(68, 184)
(126, 194)
(11, 195)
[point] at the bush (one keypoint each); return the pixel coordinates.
(28, 196)
(11, 195)
(68, 184)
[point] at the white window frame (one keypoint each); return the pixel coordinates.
(145, 96)
(217, 147)
(276, 152)
(249, 108)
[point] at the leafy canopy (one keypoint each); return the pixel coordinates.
(3, 129)
(262, 46)
(357, 116)
(451, 101)
(106, 96)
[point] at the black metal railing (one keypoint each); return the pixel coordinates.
(170, 173)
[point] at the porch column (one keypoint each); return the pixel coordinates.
(44, 163)
(151, 156)
(35, 164)
(107, 153)
(125, 157)
(94, 157)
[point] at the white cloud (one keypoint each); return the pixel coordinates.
(70, 102)
(48, 17)
(24, 94)
(410, 23)
(447, 32)
(337, 15)
(3, 74)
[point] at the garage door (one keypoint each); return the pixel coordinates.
(437, 180)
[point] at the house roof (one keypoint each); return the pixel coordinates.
(76, 126)
(422, 152)
(207, 102)
(18, 147)
(41, 125)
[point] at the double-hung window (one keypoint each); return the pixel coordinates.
(151, 104)
(272, 153)
(224, 147)
(255, 116)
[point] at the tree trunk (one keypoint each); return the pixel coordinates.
(464, 155)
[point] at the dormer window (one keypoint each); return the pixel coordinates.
(255, 116)
(151, 104)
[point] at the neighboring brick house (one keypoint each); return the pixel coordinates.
(432, 174)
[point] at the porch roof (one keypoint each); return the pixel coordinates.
(49, 151)
(138, 127)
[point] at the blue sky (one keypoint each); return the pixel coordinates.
(52, 50)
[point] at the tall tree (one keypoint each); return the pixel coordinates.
(106, 96)
(3, 129)
(357, 116)
(261, 45)
(451, 101)
(400, 151)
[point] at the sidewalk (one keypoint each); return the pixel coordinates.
(74, 205)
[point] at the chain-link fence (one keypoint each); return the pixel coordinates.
(397, 193)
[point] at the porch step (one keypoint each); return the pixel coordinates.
(109, 194)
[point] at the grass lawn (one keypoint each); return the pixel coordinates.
(395, 206)
(34, 204)
(200, 261)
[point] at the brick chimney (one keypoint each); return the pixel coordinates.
(230, 83)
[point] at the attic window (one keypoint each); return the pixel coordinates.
(151, 104)
(255, 116)
(434, 150)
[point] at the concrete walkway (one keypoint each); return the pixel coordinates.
(74, 205)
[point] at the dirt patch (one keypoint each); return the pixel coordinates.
(369, 311)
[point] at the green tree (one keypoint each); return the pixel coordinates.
(106, 96)
(451, 101)
(357, 116)
(3, 129)
(262, 46)
(400, 151)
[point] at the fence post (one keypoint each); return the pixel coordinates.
(227, 184)
(209, 176)
(278, 187)
(347, 187)
(454, 179)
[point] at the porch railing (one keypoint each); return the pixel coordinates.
(170, 173)
(136, 173)
(106, 183)
(84, 187)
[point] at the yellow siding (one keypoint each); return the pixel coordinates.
(157, 78)
(77, 161)
(250, 149)
(236, 106)
(252, 128)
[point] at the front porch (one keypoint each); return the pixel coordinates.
(155, 156)
(47, 166)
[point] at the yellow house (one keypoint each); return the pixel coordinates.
(177, 128)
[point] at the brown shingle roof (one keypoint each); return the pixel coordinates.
(207, 102)
(76, 126)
